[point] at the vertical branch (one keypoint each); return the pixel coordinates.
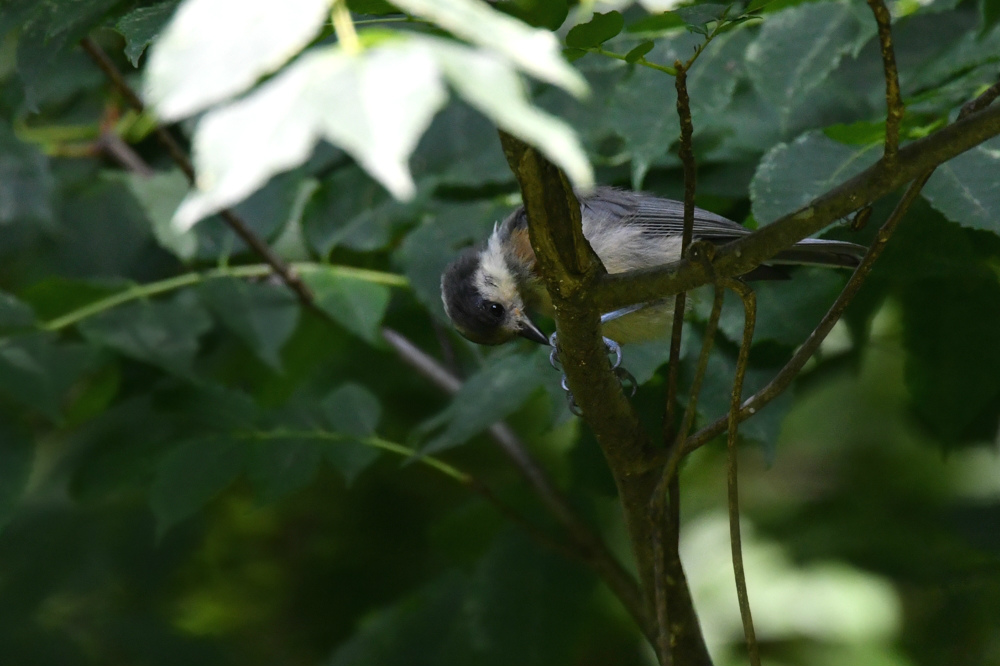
(749, 321)
(686, 153)
(893, 98)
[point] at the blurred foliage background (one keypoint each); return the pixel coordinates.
(195, 469)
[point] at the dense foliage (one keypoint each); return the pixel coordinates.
(196, 468)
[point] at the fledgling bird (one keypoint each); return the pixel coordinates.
(487, 292)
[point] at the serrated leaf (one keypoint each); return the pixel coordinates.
(792, 175)
(599, 29)
(190, 475)
(16, 457)
(966, 189)
(534, 51)
(797, 49)
(162, 333)
(496, 390)
(25, 181)
(357, 305)
(37, 372)
(636, 54)
(142, 25)
(214, 49)
(489, 84)
(375, 106)
(262, 315)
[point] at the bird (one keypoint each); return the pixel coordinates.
(488, 291)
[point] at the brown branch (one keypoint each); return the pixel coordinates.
(235, 222)
(620, 290)
(686, 153)
(589, 547)
(733, 502)
(893, 98)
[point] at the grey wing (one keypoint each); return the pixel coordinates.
(660, 217)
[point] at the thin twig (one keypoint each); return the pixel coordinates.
(749, 322)
(590, 547)
(893, 98)
(236, 223)
(981, 102)
(114, 147)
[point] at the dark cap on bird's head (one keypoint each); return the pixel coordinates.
(477, 310)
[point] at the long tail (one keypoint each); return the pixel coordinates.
(820, 252)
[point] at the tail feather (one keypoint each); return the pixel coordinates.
(820, 252)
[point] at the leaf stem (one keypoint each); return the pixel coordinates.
(641, 61)
(344, 27)
(141, 291)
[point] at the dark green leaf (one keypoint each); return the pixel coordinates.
(190, 475)
(700, 14)
(500, 387)
(643, 113)
(159, 195)
(14, 314)
(142, 25)
(162, 333)
(460, 149)
(374, 7)
(639, 51)
(37, 372)
(351, 410)
(656, 23)
(797, 49)
(281, 465)
(792, 175)
(357, 305)
(596, 31)
(966, 189)
(548, 14)
(262, 315)
(16, 456)
(25, 181)
(573, 54)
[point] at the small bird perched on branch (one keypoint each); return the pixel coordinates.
(487, 292)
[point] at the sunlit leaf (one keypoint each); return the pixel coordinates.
(374, 105)
(214, 49)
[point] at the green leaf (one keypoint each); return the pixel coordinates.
(357, 305)
(142, 25)
(534, 51)
(14, 314)
(797, 49)
(701, 14)
(352, 410)
(160, 195)
(162, 333)
(37, 372)
(966, 189)
(281, 465)
(25, 180)
(502, 385)
(262, 315)
(792, 175)
(461, 148)
(373, 7)
(636, 54)
(16, 458)
(539, 13)
(656, 23)
(190, 475)
(375, 106)
(493, 87)
(351, 210)
(200, 60)
(643, 114)
(862, 133)
(599, 29)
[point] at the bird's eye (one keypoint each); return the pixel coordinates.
(495, 309)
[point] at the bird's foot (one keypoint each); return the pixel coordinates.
(625, 378)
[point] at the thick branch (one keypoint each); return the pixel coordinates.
(622, 289)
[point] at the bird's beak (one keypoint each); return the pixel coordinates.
(528, 329)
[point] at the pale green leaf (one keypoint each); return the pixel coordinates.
(534, 51)
(214, 49)
(490, 84)
(374, 105)
(967, 189)
(160, 195)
